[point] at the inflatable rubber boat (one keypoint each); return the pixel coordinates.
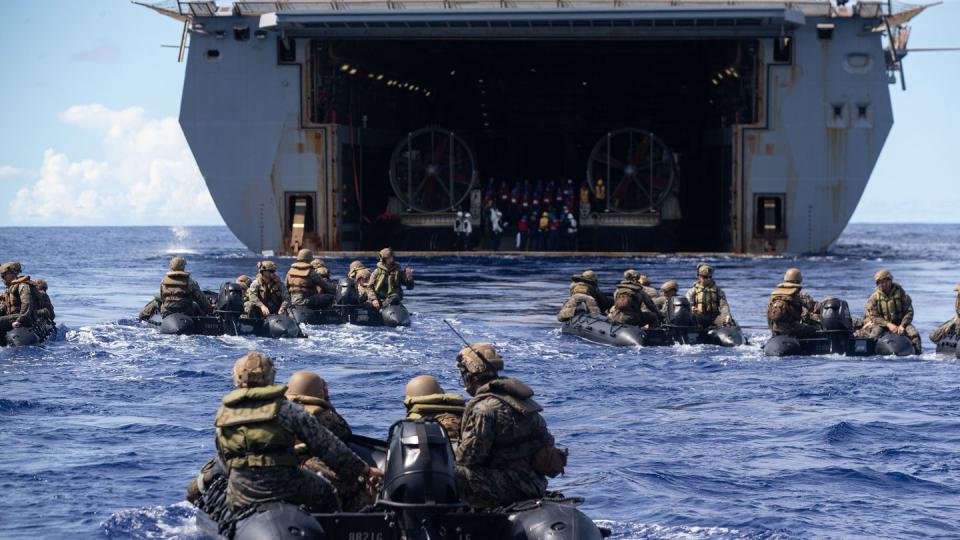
(347, 309)
(227, 319)
(418, 501)
(837, 337)
(948, 344)
(678, 329)
(34, 335)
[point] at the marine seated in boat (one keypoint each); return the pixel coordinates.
(388, 280)
(425, 399)
(708, 302)
(790, 311)
(631, 303)
(584, 294)
(307, 288)
(23, 317)
(267, 295)
(179, 293)
(950, 328)
(889, 310)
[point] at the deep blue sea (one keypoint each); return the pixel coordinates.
(101, 431)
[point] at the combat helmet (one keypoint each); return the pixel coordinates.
(178, 264)
(479, 359)
(244, 281)
(41, 284)
(881, 275)
(589, 275)
(307, 383)
(793, 275)
(670, 285)
(704, 270)
(253, 369)
(363, 273)
(631, 275)
(267, 266)
(10, 268)
(355, 265)
(423, 385)
(305, 255)
(644, 280)
(385, 252)
(318, 264)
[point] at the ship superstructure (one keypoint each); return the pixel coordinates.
(351, 124)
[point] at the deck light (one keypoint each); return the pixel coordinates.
(344, 67)
(453, 72)
(380, 77)
(353, 71)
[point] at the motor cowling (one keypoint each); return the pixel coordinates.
(835, 315)
(230, 297)
(678, 312)
(346, 294)
(420, 467)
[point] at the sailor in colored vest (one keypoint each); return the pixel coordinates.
(629, 301)
(953, 325)
(267, 295)
(505, 452)
(306, 287)
(388, 279)
(257, 430)
(791, 312)
(668, 290)
(44, 305)
(889, 309)
(20, 302)
(310, 390)
(179, 293)
(708, 303)
(426, 399)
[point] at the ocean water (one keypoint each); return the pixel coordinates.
(101, 430)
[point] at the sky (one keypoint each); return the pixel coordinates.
(90, 99)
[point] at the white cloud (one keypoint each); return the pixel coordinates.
(146, 176)
(7, 171)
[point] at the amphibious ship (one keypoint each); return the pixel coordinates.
(740, 126)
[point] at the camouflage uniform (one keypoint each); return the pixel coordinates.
(630, 299)
(573, 305)
(44, 305)
(501, 431)
(20, 304)
(273, 295)
(644, 282)
(307, 288)
(790, 311)
(181, 294)
(446, 409)
(153, 306)
(586, 283)
(355, 266)
(951, 326)
(388, 282)
(708, 304)
(256, 432)
(896, 308)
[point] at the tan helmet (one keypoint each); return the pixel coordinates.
(41, 284)
(253, 369)
(631, 275)
(323, 271)
(386, 252)
(589, 275)
(305, 255)
(355, 265)
(704, 270)
(468, 360)
(793, 275)
(644, 280)
(307, 383)
(267, 266)
(244, 281)
(10, 268)
(318, 263)
(178, 264)
(881, 275)
(363, 273)
(670, 285)
(423, 385)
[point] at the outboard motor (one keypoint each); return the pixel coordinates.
(678, 312)
(891, 344)
(835, 315)
(395, 315)
(280, 521)
(280, 326)
(177, 323)
(419, 478)
(346, 293)
(230, 297)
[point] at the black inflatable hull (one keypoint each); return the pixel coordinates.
(24, 337)
(273, 326)
(392, 316)
(839, 342)
(599, 329)
(948, 345)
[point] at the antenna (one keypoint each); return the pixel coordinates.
(469, 346)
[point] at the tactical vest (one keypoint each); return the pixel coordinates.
(956, 305)
(270, 295)
(515, 445)
(433, 405)
(299, 279)
(175, 291)
(706, 299)
(785, 305)
(626, 298)
(891, 307)
(387, 282)
(581, 288)
(13, 295)
(249, 433)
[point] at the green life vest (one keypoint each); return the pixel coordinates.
(270, 294)
(386, 282)
(706, 299)
(433, 405)
(249, 433)
(175, 291)
(891, 307)
(299, 279)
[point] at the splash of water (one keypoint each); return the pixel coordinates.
(181, 236)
